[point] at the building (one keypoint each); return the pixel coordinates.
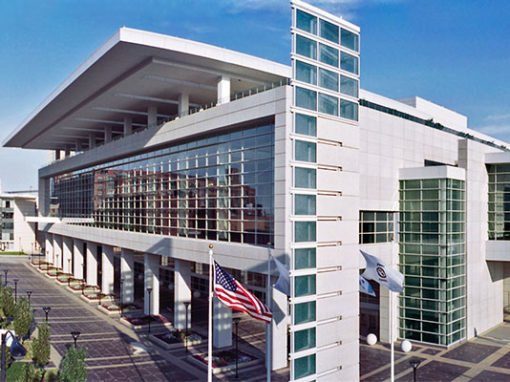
(170, 145)
(16, 233)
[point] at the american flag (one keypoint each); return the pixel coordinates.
(234, 295)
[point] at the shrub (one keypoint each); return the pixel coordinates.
(41, 346)
(23, 317)
(7, 302)
(72, 366)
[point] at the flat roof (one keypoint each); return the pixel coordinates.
(135, 69)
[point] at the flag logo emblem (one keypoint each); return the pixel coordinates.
(380, 271)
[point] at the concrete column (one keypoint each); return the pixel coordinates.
(92, 141)
(67, 152)
(107, 134)
(57, 251)
(152, 116)
(183, 108)
(107, 269)
(151, 264)
(279, 330)
(91, 263)
(223, 90)
(182, 293)
(128, 126)
(78, 259)
(222, 325)
(44, 196)
(57, 154)
(48, 247)
(127, 272)
(67, 254)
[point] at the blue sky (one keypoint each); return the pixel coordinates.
(453, 52)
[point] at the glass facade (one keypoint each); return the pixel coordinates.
(217, 188)
(376, 227)
(432, 258)
(499, 201)
(6, 223)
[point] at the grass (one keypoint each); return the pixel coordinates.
(10, 253)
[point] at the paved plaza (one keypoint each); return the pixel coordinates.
(114, 351)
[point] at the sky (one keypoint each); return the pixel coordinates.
(453, 52)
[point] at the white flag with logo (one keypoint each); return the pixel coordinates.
(380, 273)
(365, 287)
(283, 282)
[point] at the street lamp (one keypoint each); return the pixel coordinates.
(186, 305)
(5, 272)
(29, 293)
(149, 291)
(236, 323)
(15, 290)
(46, 310)
(414, 363)
(17, 351)
(75, 335)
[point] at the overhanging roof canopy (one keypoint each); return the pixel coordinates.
(130, 72)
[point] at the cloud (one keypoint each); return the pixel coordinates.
(497, 125)
(498, 117)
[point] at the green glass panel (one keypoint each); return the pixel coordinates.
(304, 339)
(306, 125)
(304, 285)
(304, 204)
(304, 366)
(304, 312)
(304, 258)
(305, 151)
(305, 231)
(306, 22)
(329, 31)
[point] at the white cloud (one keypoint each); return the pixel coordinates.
(498, 117)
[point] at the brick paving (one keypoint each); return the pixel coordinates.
(110, 355)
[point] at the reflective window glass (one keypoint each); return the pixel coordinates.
(304, 366)
(306, 22)
(304, 204)
(349, 86)
(306, 72)
(306, 124)
(305, 151)
(349, 110)
(304, 258)
(305, 177)
(305, 98)
(305, 231)
(329, 31)
(349, 40)
(304, 285)
(328, 104)
(304, 339)
(328, 55)
(328, 79)
(304, 312)
(348, 62)
(306, 47)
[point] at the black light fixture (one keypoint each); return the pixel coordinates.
(5, 280)
(16, 349)
(15, 289)
(186, 305)
(46, 310)
(415, 363)
(149, 291)
(29, 293)
(75, 335)
(236, 323)
(121, 292)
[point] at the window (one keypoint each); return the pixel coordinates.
(306, 72)
(305, 231)
(348, 110)
(307, 99)
(328, 55)
(305, 177)
(304, 339)
(304, 204)
(328, 104)
(306, 124)
(304, 312)
(349, 40)
(306, 22)
(329, 31)
(349, 86)
(304, 258)
(306, 47)
(349, 62)
(304, 366)
(305, 151)
(328, 79)
(376, 227)
(304, 285)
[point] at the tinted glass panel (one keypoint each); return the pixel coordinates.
(306, 124)
(306, 22)
(350, 40)
(348, 86)
(328, 104)
(329, 31)
(349, 62)
(349, 110)
(306, 47)
(328, 79)
(306, 99)
(328, 55)
(306, 72)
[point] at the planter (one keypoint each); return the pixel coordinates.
(224, 361)
(110, 312)
(172, 341)
(139, 323)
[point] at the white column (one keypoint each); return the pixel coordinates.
(152, 116)
(127, 271)
(107, 270)
(223, 90)
(182, 293)
(91, 263)
(183, 108)
(78, 259)
(48, 247)
(107, 134)
(222, 325)
(67, 253)
(128, 126)
(151, 264)
(57, 251)
(279, 330)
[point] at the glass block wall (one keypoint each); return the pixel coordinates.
(499, 201)
(432, 258)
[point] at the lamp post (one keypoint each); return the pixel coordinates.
(5, 272)
(414, 363)
(186, 305)
(15, 290)
(29, 293)
(121, 292)
(16, 349)
(236, 323)
(149, 291)
(46, 310)
(82, 287)
(75, 335)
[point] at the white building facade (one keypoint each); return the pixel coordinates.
(171, 145)
(16, 233)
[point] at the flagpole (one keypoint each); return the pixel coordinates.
(392, 379)
(269, 325)
(210, 334)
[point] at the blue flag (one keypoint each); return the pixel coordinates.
(365, 287)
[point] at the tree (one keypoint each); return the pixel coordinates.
(7, 301)
(41, 346)
(72, 366)
(23, 317)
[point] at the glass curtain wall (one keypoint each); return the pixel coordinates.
(499, 201)
(217, 188)
(432, 258)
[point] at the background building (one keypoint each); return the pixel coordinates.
(170, 145)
